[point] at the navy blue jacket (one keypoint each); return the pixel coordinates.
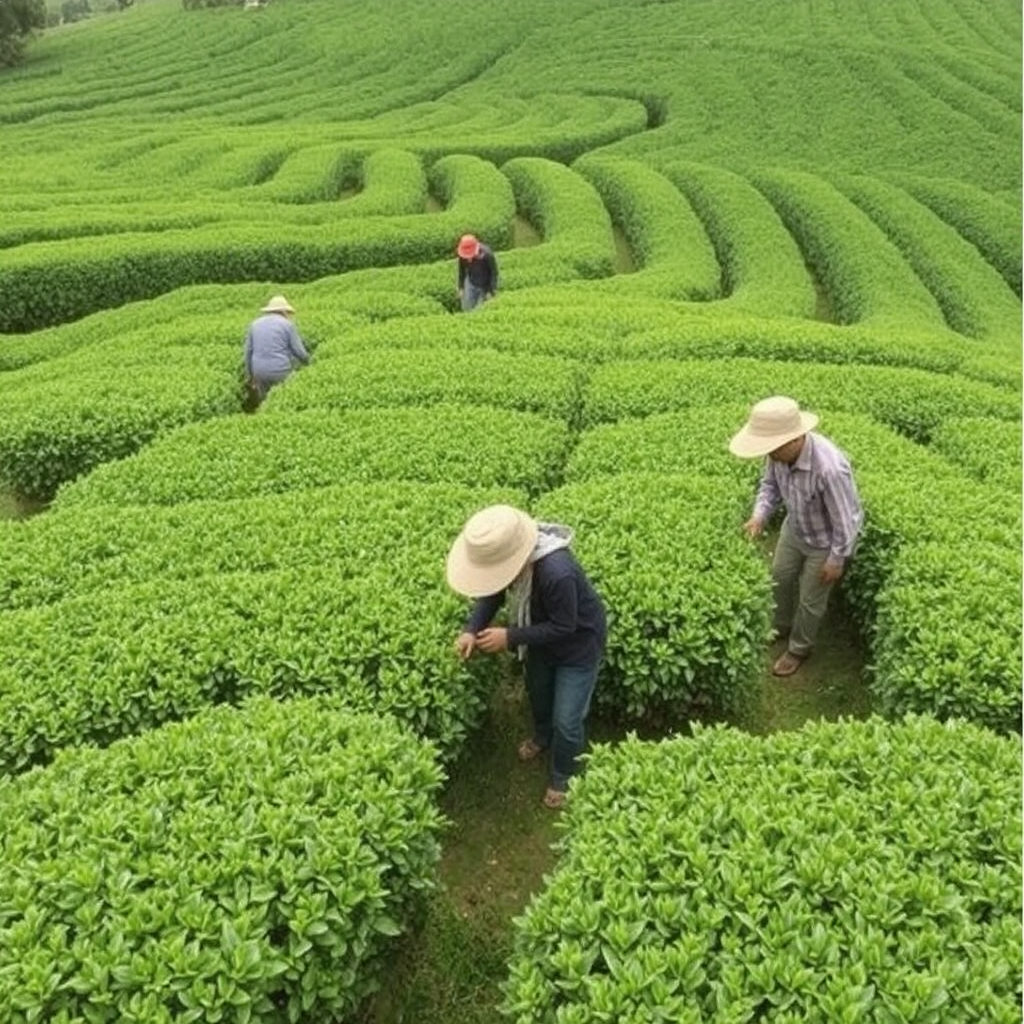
(567, 619)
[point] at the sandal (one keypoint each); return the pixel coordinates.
(528, 750)
(555, 799)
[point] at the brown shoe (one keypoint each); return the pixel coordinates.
(555, 799)
(788, 664)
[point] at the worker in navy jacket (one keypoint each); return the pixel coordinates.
(556, 623)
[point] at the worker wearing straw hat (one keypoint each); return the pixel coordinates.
(478, 272)
(811, 477)
(272, 347)
(557, 621)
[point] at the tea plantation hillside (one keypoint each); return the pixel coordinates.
(230, 712)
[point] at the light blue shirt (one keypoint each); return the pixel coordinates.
(271, 345)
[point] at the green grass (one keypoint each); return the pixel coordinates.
(498, 847)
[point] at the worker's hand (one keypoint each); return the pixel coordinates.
(464, 644)
(830, 572)
(492, 640)
(753, 527)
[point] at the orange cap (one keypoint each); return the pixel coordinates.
(468, 246)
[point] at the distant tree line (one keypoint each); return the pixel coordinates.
(18, 20)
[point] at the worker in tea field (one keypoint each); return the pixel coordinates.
(272, 347)
(478, 272)
(811, 477)
(556, 623)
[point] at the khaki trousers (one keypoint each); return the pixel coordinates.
(800, 596)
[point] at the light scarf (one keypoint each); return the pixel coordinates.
(550, 537)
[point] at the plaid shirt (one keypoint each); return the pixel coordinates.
(820, 497)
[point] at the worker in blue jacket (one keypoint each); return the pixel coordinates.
(556, 622)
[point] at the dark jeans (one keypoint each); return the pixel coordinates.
(559, 699)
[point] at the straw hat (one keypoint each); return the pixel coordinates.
(773, 422)
(493, 546)
(278, 304)
(469, 245)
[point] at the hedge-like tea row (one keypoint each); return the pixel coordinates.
(353, 528)
(60, 428)
(693, 441)
(570, 216)
(593, 326)
(847, 871)
(987, 449)
(540, 384)
(975, 300)
(863, 273)
(762, 269)
(988, 223)
(247, 456)
(104, 665)
(665, 237)
(911, 401)
(687, 595)
(54, 282)
(946, 642)
(249, 865)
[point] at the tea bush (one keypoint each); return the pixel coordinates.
(247, 456)
(57, 428)
(667, 241)
(540, 384)
(863, 272)
(762, 268)
(249, 865)
(100, 666)
(350, 528)
(847, 871)
(913, 402)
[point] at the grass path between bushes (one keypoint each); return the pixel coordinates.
(498, 847)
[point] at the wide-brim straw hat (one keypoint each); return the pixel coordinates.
(278, 304)
(469, 246)
(773, 422)
(493, 547)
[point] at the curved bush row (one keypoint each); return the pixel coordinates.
(847, 871)
(100, 666)
(312, 174)
(664, 235)
(569, 215)
(992, 226)
(762, 269)
(351, 528)
(393, 183)
(913, 402)
(60, 428)
(974, 299)
(540, 384)
(248, 456)
(249, 865)
(60, 281)
(687, 595)
(862, 272)
(987, 449)
(576, 322)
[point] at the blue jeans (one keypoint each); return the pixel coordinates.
(560, 700)
(472, 296)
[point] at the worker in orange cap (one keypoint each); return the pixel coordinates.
(478, 272)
